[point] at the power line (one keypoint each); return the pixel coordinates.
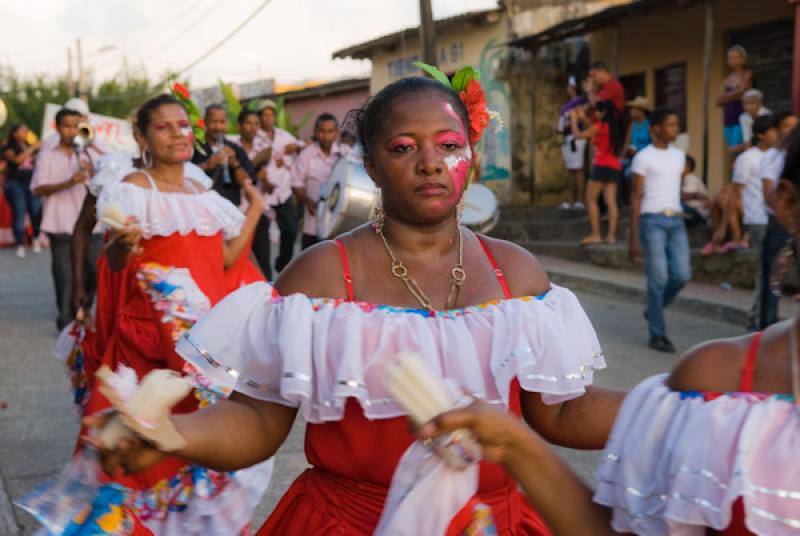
(183, 31)
(224, 39)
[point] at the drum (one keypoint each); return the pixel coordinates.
(347, 198)
(481, 212)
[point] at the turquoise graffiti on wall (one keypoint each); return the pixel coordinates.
(495, 147)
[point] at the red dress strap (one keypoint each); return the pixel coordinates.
(348, 280)
(497, 271)
(749, 369)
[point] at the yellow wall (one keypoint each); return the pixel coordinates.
(473, 38)
(651, 43)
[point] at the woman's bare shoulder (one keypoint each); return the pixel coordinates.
(711, 366)
(139, 179)
(316, 272)
(524, 273)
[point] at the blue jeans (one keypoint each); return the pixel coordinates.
(667, 264)
(21, 199)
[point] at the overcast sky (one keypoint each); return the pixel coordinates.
(290, 40)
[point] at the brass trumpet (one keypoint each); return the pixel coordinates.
(86, 131)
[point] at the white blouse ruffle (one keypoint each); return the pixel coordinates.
(316, 353)
(676, 464)
(165, 213)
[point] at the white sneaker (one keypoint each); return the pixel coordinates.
(578, 206)
(564, 206)
(37, 246)
(20, 252)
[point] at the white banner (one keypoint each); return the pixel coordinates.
(113, 134)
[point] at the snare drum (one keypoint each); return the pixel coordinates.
(347, 198)
(481, 212)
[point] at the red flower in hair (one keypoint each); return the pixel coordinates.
(201, 123)
(474, 99)
(181, 90)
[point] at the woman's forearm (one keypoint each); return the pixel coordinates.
(559, 495)
(234, 434)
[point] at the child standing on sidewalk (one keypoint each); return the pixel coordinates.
(657, 215)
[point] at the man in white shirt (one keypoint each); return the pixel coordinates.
(657, 214)
(60, 180)
(753, 104)
(776, 235)
(312, 168)
(747, 182)
(278, 173)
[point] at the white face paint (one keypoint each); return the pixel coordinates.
(452, 161)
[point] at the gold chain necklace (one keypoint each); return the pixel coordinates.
(399, 270)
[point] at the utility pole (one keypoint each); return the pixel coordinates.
(427, 33)
(81, 73)
(70, 82)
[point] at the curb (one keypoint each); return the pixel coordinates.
(724, 312)
(9, 525)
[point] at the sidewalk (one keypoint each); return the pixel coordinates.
(710, 301)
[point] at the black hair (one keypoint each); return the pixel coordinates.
(65, 112)
(761, 125)
(661, 114)
(780, 117)
(690, 163)
(600, 65)
(325, 116)
(244, 114)
(12, 142)
(215, 106)
(370, 119)
(151, 105)
(610, 115)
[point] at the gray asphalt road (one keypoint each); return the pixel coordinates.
(38, 425)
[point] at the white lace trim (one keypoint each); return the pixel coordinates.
(315, 354)
(674, 463)
(167, 213)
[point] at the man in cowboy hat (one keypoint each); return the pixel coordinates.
(636, 139)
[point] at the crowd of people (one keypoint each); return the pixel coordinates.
(176, 290)
(624, 140)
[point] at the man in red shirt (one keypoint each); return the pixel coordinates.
(603, 86)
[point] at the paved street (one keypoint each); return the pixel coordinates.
(38, 424)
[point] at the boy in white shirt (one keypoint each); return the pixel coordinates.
(657, 214)
(747, 182)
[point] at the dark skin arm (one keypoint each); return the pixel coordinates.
(636, 209)
(584, 422)
(18, 159)
(562, 498)
(79, 246)
(79, 177)
(727, 96)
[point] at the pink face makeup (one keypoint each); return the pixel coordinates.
(451, 138)
(401, 141)
(457, 164)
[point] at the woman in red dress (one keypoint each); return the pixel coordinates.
(178, 235)
(478, 310)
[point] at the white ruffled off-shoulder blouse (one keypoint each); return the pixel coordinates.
(314, 354)
(165, 213)
(677, 461)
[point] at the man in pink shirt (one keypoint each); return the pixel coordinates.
(311, 169)
(60, 180)
(278, 173)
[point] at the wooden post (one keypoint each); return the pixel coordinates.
(708, 49)
(70, 82)
(427, 33)
(796, 58)
(615, 51)
(81, 74)
(532, 137)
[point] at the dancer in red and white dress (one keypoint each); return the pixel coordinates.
(478, 310)
(178, 237)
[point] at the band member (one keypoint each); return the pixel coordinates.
(312, 167)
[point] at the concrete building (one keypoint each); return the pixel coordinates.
(670, 51)
(475, 38)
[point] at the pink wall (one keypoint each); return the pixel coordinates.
(338, 104)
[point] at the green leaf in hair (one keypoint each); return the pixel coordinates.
(434, 72)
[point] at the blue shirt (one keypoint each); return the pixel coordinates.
(640, 134)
